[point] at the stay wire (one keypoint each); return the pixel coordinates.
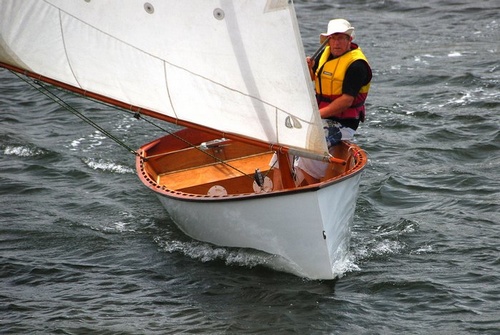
(137, 115)
(44, 89)
(256, 177)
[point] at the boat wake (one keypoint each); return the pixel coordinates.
(206, 252)
(387, 240)
(243, 257)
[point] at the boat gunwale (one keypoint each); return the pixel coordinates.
(192, 197)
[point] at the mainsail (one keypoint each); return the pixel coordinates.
(231, 65)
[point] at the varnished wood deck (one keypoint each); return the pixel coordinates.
(216, 172)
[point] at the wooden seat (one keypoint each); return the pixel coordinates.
(215, 173)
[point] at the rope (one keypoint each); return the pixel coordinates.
(255, 177)
(44, 89)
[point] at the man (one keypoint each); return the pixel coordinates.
(342, 78)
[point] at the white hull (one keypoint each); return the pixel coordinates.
(308, 230)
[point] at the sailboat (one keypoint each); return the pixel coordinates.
(232, 75)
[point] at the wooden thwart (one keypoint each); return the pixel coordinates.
(217, 172)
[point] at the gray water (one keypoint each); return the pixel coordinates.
(85, 248)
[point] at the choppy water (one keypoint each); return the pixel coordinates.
(85, 248)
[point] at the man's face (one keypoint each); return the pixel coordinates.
(339, 44)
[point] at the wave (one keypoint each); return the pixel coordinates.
(107, 166)
(23, 151)
(241, 257)
(205, 252)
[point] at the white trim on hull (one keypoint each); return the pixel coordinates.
(309, 231)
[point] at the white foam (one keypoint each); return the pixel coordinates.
(76, 143)
(387, 247)
(423, 250)
(206, 253)
(454, 54)
(107, 166)
(340, 268)
(22, 151)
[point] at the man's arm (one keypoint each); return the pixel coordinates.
(337, 106)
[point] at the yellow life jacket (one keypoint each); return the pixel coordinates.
(330, 77)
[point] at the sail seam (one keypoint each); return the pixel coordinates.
(155, 57)
(168, 90)
(66, 17)
(66, 51)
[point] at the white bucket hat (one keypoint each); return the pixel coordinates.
(338, 26)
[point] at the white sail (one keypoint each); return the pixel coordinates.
(232, 65)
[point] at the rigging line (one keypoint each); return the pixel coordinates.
(43, 89)
(139, 116)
